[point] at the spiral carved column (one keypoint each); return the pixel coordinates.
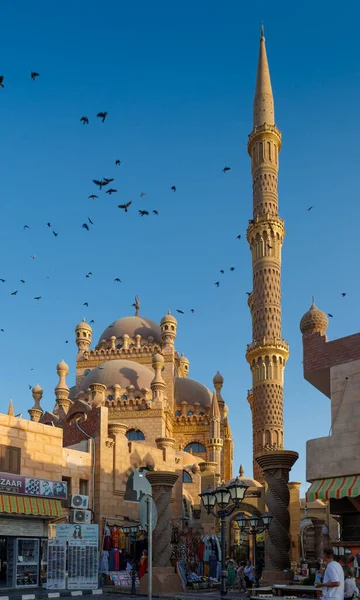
(276, 466)
(162, 483)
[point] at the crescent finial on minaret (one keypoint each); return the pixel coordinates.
(137, 305)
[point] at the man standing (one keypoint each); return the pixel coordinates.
(333, 581)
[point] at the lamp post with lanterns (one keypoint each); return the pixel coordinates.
(221, 503)
(254, 525)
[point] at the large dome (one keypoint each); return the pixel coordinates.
(191, 391)
(132, 326)
(122, 372)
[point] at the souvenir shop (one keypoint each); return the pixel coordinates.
(119, 551)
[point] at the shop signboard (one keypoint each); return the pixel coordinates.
(83, 565)
(72, 531)
(56, 565)
(31, 486)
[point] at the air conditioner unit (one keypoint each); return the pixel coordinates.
(80, 516)
(78, 501)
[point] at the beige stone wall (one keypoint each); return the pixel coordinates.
(339, 454)
(294, 510)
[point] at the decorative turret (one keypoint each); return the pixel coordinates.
(215, 443)
(36, 411)
(11, 412)
(218, 381)
(62, 391)
(168, 327)
(158, 385)
(314, 321)
(184, 365)
(83, 333)
(268, 352)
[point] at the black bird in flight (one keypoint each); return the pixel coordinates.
(248, 293)
(88, 274)
(251, 221)
(66, 342)
(48, 224)
(343, 294)
(329, 315)
(173, 188)
(125, 206)
(142, 194)
(232, 268)
(33, 256)
(93, 196)
(30, 386)
(238, 237)
(1, 329)
(90, 221)
(55, 234)
(34, 75)
(26, 227)
(181, 312)
(91, 322)
(217, 283)
(117, 279)
(222, 271)
(22, 281)
(155, 212)
(225, 169)
(14, 293)
(86, 304)
(143, 213)
(37, 297)
(100, 182)
(2, 280)
(107, 181)
(310, 207)
(85, 226)
(118, 162)
(192, 310)
(84, 120)
(102, 115)
(2, 81)
(110, 191)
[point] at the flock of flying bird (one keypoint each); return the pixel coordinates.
(104, 183)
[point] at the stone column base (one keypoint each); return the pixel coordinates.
(165, 581)
(270, 577)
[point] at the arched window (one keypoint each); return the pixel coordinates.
(186, 477)
(190, 413)
(195, 447)
(178, 413)
(110, 397)
(134, 435)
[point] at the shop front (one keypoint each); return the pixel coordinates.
(24, 519)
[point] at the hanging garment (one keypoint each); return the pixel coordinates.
(201, 548)
(213, 566)
(206, 569)
(207, 550)
(104, 562)
(111, 560)
(143, 565)
(218, 571)
(115, 535)
(218, 549)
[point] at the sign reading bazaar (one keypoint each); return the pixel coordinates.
(31, 486)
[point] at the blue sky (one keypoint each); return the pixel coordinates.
(177, 80)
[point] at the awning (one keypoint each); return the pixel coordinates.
(26, 505)
(336, 487)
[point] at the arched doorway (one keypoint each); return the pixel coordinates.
(240, 543)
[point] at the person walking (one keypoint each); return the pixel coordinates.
(240, 576)
(333, 580)
(249, 574)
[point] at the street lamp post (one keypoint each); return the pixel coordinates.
(132, 530)
(254, 525)
(221, 503)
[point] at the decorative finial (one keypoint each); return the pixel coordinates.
(11, 412)
(241, 471)
(262, 30)
(313, 301)
(137, 305)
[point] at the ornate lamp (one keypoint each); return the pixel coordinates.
(208, 499)
(266, 519)
(222, 496)
(254, 521)
(237, 490)
(242, 522)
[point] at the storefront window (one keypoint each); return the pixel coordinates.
(27, 562)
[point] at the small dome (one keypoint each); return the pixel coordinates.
(158, 358)
(37, 388)
(218, 378)
(122, 372)
(62, 366)
(132, 326)
(84, 325)
(191, 391)
(314, 320)
(169, 318)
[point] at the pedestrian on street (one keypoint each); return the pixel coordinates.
(240, 576)
(333, 580)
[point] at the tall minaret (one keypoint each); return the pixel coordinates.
(215, 443)
(268, 352)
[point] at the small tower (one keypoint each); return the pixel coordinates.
(62, 391)
(83, 333)
(184, 365)
(215, 443)
(36, 411)
(11, 412)
(218, 381)
(168, 327)
(314, 321)
(158, 385)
